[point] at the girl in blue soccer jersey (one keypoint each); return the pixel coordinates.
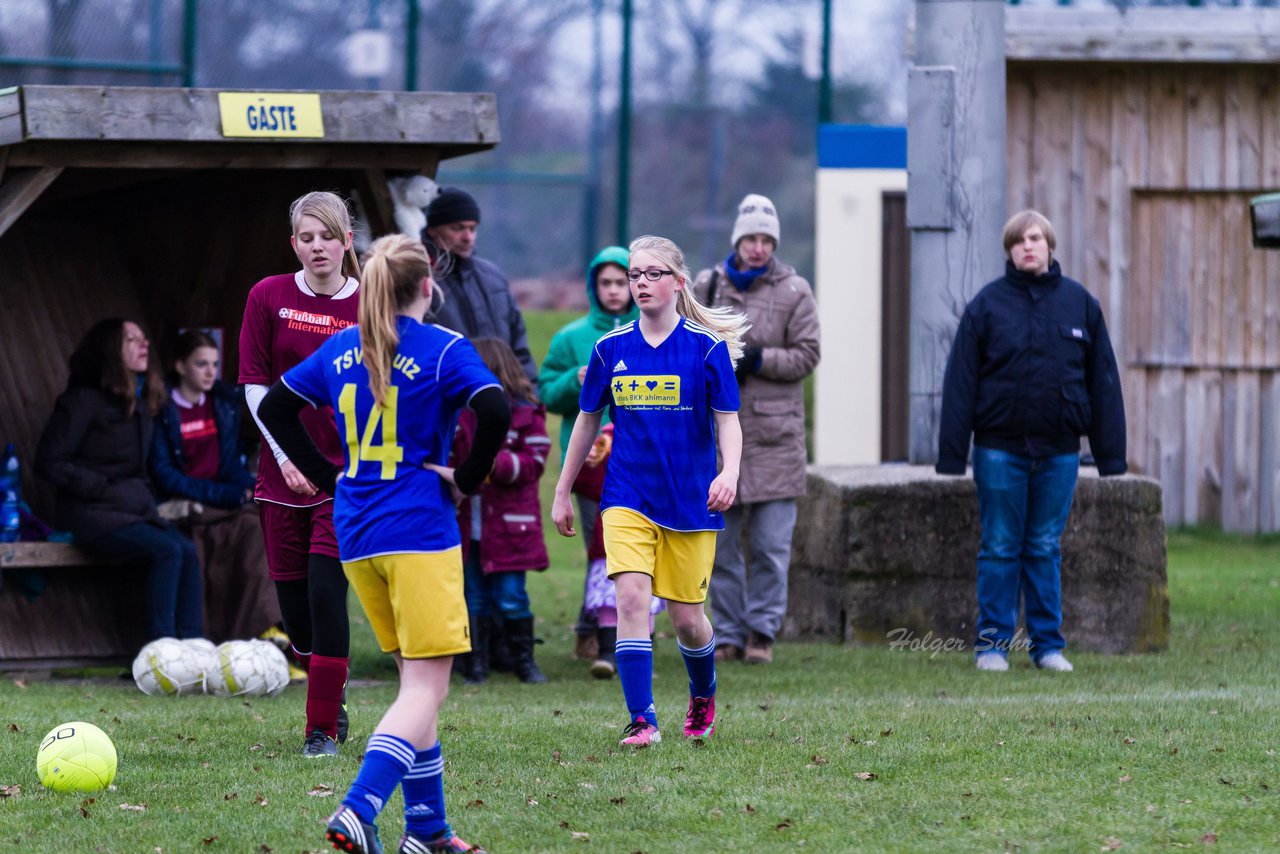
(396, 385)
(668, 381)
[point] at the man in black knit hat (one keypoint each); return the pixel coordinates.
(477, 299)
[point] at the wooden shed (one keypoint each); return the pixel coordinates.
(132, 201)
(1142, 136)
(164, 205)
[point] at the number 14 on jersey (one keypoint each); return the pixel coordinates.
(360, 446)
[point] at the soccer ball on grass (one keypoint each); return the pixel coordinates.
(248, 668)
(169, 666)
(76, 757)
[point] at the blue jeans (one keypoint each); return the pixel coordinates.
(173, 575)
(500, 593)
(1024, 504)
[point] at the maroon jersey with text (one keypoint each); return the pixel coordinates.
(284, 323)
(200, 448)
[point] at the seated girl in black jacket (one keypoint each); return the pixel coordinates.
(94, 451)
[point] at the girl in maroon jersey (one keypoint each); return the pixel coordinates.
(286, 319)
(195, 463)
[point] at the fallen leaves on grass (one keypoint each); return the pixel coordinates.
(1126, 778)
(750, 810)
(230, 796)
(580, 835)
(1128, 740)
(1111, 844)
(1209, 839)
(817, 760)
(209, 840)
(259, 799)
(476, 804)
(134, 807)
(21, 683)
(13, 728)
(321, 791)
(785, 824)
(619, 801)
(10, 791)
(866, 775)
(257, 747)
(531, 801)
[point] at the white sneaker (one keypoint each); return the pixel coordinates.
(1055, 661)
(991, 661)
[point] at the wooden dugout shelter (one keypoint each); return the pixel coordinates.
(135, 202)
(1142, 137)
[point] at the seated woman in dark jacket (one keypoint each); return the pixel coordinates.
(196, 463)
(94, 450)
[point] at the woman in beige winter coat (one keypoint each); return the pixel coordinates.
(749, 600)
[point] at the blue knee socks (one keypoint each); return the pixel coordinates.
(635, 671)
(386, 760)
(423, 790)
(701, 664)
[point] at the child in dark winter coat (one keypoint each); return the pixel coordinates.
(501, 524)
(195, 463)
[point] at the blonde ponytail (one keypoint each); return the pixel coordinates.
(393, 271)
(726, 323)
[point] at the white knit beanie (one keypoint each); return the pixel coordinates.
(756, 215)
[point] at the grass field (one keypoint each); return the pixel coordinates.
(830, 749)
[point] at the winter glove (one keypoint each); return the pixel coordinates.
(749, 363)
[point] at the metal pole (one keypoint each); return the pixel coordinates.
(824, 86)
(189, 18)
(371, 21)
(595, 132)
(411, 47)
(624, 127)
(956, 193)
(155, 28)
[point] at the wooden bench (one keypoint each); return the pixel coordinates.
(90, 613)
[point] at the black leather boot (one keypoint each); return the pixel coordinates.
(520, 644)
(476, 669)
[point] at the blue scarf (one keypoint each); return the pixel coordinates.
(742, 279)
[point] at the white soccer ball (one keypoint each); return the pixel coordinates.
(248, 668)
(275, 666)
(204, 657)
(167, 667)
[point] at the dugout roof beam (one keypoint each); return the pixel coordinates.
(46, 130)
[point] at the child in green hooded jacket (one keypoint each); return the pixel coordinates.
(559, 384)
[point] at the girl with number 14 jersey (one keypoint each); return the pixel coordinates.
(397, 385)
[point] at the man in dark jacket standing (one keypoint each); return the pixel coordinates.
(477, 299)
(1031, 370)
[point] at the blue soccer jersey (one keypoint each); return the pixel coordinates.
(386, 502)
(662, 401)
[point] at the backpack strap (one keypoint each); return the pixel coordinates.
(714, 286)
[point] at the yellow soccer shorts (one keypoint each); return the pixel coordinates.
(414, 601)
(679, 562)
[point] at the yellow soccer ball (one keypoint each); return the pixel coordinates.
(76, 757)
